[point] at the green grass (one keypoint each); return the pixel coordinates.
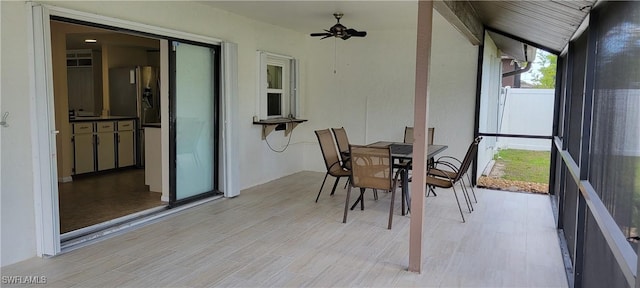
(525, 165)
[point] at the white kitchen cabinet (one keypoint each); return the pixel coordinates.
(83, 148)
(126, 143)
(105, 145)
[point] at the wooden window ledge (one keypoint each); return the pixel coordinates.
(286, 124)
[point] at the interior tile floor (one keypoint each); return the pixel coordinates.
(93, 199)
(275, 235)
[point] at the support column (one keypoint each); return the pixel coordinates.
(423, 55)
(638, 268)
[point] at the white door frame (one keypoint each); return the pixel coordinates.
(43, 113)
(43, 145)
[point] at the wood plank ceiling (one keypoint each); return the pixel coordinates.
(548, 24)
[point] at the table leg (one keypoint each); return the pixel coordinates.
(359, 200)
(406, 196)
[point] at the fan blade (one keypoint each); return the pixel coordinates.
(328, 35)
(319, 34)
(359, 34)
(356, 33)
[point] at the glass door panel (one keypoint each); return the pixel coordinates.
(195, 121)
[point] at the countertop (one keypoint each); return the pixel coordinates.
(100, 118)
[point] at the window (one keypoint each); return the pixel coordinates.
(275, 91)
(277, 86)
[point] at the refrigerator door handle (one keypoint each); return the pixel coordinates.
(132, 76)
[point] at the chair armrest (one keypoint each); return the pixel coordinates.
(446, 164)
(334, 164)
(449, 157)
(398, 173)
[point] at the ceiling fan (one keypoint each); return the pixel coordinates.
(339, 31)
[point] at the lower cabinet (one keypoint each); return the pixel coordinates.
(126, 144)
(103, 145)
(83, 147)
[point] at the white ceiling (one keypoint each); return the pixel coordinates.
(314, 16)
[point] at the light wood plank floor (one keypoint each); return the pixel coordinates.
(274, 235)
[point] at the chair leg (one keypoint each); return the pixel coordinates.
(404, 177)
(375, 194)
(472, 190)
(347, 183)
(356, 203)
(335, 184)
(346, 206)
(466, 197)
(458, 201)
(430, 164)
(402, 201)
(393, 197)
(325, 179)
(430, 189)
(465, 193)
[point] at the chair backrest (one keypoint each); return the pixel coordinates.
(371, 167)
(329, 152)
(468, 158)
(341, 139)
(408, 135)
(430, 134)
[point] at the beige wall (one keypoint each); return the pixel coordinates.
(126, 57)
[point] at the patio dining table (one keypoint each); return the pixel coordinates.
(401, 151)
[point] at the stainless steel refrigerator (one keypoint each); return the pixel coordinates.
(134, 92)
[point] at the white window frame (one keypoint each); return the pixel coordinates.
(284, 86)
(289, 89)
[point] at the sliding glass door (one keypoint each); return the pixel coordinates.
(194, 121)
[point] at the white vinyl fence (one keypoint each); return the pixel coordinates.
(525, 111)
